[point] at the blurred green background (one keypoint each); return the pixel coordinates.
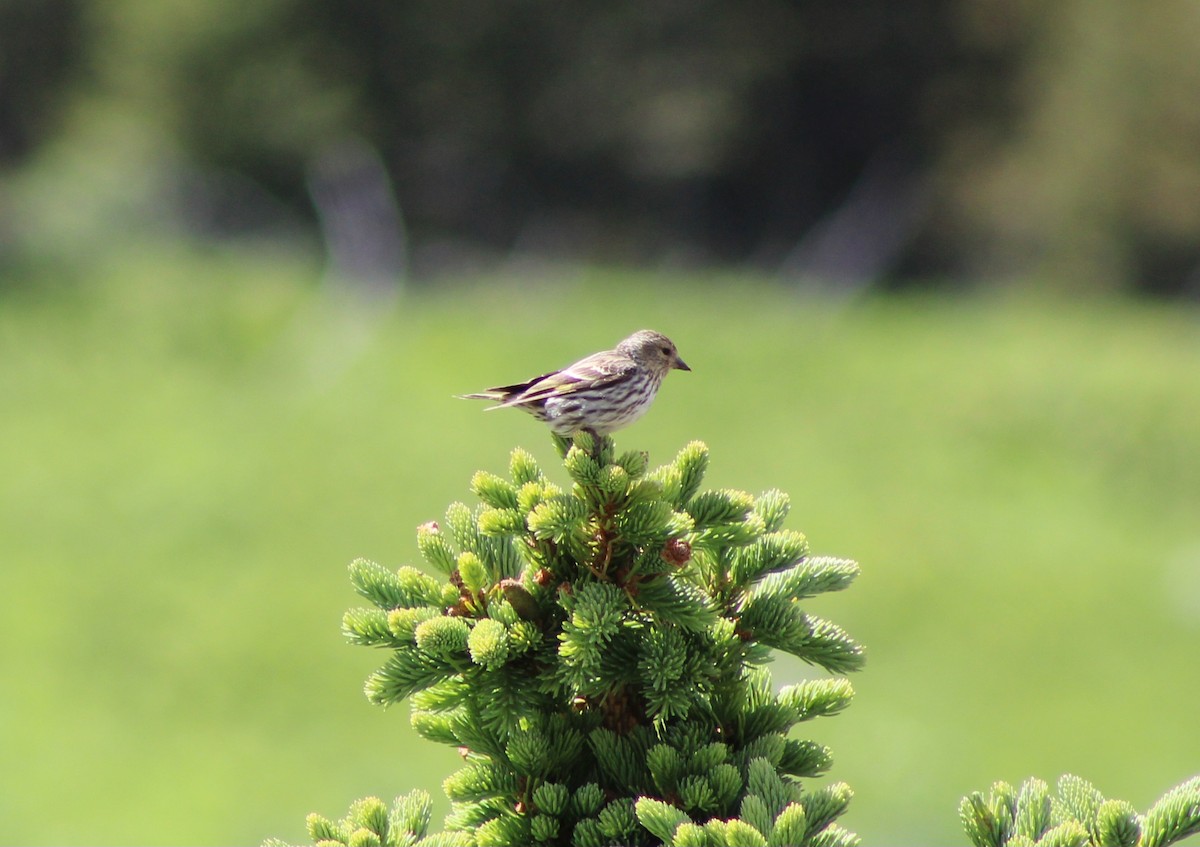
(196, 446)
(934, 269)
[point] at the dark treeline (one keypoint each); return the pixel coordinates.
(927, 140)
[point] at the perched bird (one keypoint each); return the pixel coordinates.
(600, 393)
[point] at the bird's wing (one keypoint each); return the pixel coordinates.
(595, 371)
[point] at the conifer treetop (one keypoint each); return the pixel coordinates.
(595, 652)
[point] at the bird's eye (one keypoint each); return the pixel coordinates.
(667, 351)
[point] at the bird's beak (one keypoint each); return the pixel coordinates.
(680, 365)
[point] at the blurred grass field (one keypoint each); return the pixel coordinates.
(192, 448)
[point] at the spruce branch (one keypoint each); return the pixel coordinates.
(594, 652)
(1175, 816)
(1078, 816)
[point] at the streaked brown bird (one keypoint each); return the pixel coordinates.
(600, 393)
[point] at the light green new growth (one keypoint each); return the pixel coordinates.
(595, 654)
(1078, 816)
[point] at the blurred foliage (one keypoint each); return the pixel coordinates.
(40, 47)
(976, 139)
(193, 444)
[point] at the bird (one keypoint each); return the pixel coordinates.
(600, 393)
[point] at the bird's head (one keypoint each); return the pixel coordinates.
(653, 351)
